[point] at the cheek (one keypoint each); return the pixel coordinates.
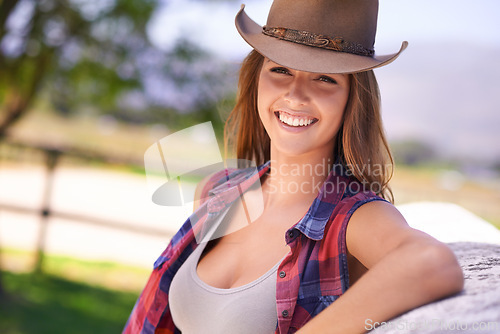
(341, 101)
(334, 108)
(260, 104)
(264, 97)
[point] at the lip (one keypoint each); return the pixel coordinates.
(294, 129)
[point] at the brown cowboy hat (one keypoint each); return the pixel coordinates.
(324, 36)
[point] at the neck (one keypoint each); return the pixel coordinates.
(296, 179)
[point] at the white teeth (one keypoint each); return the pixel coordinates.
(289, 120)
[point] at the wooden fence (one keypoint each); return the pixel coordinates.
(51, 158)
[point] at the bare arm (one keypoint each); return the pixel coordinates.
(407, 268)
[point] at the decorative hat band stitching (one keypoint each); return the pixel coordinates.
(317, 40)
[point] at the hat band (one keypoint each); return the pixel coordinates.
(317, 40)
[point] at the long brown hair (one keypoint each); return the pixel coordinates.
(361, 144)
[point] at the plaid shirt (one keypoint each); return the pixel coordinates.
(311, 277)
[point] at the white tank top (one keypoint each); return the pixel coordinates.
(197, 307)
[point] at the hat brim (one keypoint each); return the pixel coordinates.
(307, 58)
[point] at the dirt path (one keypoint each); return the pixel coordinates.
(107, 195)
(123, 198)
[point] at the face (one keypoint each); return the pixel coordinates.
(301, 111)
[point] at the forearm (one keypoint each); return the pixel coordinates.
(411, 275)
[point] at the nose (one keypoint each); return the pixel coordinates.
(296, 94)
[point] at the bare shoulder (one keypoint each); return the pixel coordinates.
(379, 210)
(377, 217)
(376, 228)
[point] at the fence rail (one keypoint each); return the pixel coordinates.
(51, 160)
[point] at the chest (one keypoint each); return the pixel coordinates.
(243, 251)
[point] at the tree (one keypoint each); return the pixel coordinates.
(96, 53)
(44, 41)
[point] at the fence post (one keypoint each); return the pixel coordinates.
(51, 160)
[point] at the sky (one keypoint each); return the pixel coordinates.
(442, 90)
(211, 23)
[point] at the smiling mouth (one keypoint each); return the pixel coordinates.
(295, 121)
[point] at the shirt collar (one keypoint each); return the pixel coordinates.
(312, 224)
(237, 182)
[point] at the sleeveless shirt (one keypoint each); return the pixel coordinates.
(310, 278)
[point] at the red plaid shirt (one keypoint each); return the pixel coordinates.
(311, 277)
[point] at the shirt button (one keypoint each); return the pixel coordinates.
(284, 313)
(291, 234)
(282, 274)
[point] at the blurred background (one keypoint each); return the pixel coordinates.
(86, 86)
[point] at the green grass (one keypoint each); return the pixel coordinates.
(71, 296)
(104, 274)
(49, 304)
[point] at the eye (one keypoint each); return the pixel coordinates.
(327, 79)
(280, 70)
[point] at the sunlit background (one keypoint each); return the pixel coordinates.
(86, 86)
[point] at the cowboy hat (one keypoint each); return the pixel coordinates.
(323, 36)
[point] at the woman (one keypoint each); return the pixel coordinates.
(328, 253)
